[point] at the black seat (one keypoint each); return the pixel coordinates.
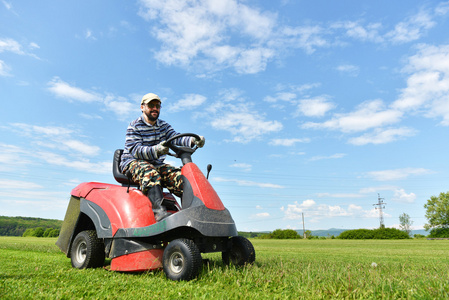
(125, 180)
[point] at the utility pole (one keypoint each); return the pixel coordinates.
(380, 205)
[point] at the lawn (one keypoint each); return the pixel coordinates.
(284, 269)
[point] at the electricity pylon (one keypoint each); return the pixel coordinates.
(380, 205)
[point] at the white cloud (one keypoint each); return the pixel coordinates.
(321, 195)
(288, 142)
(41, 131)
(4, 69)
(79, 164)
(200, 30)
(348, 69)
(426, 94)
(308, 38)
(374, 190)
(239, 117)
(7, 5)
(317, 211)
(382, 136)
(411, 29)
(34, 46)
(90, 116)
(442, 9)
(358, 31)
(401, 196)
(253, 60)
(370, 114)
(206, 34)
(88, 34)
(243, 166)
(262, 215)
(19, 185)
(314, 212)
(405, 31)
(282, 96)
(315, 107)
(63, 89)
(188, 102)
(8, 158)
(397, 174)
(334, 156)
(54, 137)
(82, 148)
(428, 85)
(10, 45)
(121, 106)
(249, 183)
(245, 126)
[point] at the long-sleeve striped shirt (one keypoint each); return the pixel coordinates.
(141, 139)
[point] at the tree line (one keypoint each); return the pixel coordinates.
(19, 226)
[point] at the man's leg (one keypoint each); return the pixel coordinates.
(149, 180)
(171, 178)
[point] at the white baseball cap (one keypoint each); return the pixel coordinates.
(149, 97)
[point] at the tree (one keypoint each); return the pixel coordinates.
(405, 223)
(437, 211)
(285, 234)
(308, 234)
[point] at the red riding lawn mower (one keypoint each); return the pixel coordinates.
(117, 222)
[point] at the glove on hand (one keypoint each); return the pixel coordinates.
(161, 149)
(200, 142)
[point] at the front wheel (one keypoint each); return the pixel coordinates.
(182, 260)
(87, 250)
(241, 252)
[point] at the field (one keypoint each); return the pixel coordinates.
(284, 269)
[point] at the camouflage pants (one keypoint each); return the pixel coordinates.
(148, 176)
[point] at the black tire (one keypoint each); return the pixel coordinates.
(87, 250)
(241, 252)
(182, 260)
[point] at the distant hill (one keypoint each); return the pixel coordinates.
(16, 226)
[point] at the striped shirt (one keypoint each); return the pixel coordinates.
(141, 139)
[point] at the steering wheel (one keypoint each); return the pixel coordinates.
(179, 149)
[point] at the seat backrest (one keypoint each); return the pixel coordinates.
(119, 176)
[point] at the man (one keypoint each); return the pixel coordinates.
(144, 154)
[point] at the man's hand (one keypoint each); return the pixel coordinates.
(200, 142)
(161, 149)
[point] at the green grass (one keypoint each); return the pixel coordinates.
(284, 269)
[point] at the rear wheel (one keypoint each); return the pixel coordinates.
(241, 252)
(182, 260)
(87, 250)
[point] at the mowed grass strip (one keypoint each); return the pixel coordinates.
(284, 269)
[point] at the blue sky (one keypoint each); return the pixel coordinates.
(307, 107)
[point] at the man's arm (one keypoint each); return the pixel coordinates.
(135, 146)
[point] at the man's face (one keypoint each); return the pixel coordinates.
(152, 110)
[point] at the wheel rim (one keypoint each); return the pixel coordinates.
(176, 262)
(81, 252)
(236, 257)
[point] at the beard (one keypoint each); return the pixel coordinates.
(151, 116)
